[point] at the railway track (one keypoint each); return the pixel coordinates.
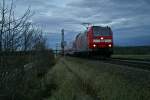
(135, 63)
(140, 64)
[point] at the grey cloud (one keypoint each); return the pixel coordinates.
(54, 24)
(112, 10)
(111, 6)
(33, 2)
(121, 15)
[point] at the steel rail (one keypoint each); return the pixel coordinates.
(140, 64)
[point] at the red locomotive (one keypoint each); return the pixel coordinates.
(96, 40)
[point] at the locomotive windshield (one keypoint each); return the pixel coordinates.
(101, 31)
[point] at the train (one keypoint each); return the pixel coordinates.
(95, 41)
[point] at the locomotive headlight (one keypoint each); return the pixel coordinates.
(102, 38)
(96, 40)
(94, 45)
(108, 40)
(110, 45)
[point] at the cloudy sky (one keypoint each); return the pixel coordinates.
(129, 19)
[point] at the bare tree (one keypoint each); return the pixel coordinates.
(3, 12)
(16, 34)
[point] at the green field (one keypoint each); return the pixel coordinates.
(88, 80)
(138, 50)
(140, 57)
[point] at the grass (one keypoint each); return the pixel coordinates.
(113, 83)
(65, 81)
(140, 57)
(98, 80)
(137, 50)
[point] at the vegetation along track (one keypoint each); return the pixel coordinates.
(86, 86)
(97, 80)
(141, 64)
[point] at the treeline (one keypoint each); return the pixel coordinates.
(21, 75)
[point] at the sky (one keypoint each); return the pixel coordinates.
(129, 19)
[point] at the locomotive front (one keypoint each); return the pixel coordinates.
(100, 40)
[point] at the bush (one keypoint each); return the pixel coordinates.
(19, 82)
